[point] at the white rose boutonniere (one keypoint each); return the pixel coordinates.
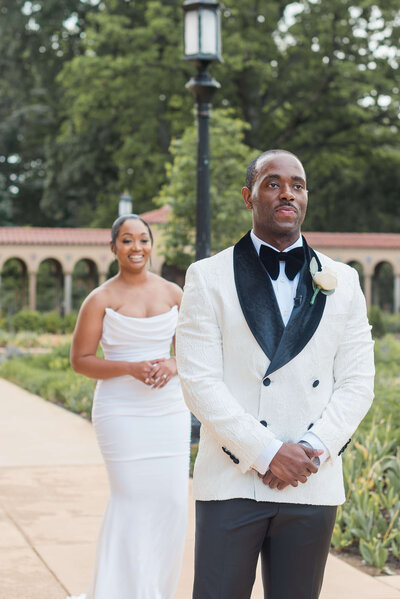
(324, 280)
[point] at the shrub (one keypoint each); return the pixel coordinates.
(69, 322)
(50, 376)
(51, 322)
(47, 322)
(370, 518)
(27, 320)
(391, 322)
(387, 351)
(4, 338)
(376, 321)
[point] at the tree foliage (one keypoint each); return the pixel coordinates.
(36, 39)
(229, 157)
(128, 93)
(92, 93)
(321, 78)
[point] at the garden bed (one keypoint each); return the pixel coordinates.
(367, 525)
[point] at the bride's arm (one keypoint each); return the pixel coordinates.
(86, 340)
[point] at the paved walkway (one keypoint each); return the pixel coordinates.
(53, 490)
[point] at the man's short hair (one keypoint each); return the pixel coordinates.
(252, 168)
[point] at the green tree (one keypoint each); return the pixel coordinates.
(92, 93)
(36, 38)
(124, 99)
(229, 157)
(320, 78)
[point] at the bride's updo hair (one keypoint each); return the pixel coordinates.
(117, 224)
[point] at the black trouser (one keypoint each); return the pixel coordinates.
(293, 541)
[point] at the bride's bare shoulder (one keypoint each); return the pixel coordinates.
(99, 299)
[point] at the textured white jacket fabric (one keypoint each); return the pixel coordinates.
(328, 385)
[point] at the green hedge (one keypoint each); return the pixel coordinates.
(391, 322)
(50, 376)
(376, 321)
(368, 521)
(38, 322)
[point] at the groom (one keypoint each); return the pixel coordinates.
(275, 357)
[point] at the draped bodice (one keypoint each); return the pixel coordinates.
(132, 339)
(135, 339)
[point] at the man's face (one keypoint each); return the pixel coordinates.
(278, 198)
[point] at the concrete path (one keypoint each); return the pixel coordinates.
(53, 491)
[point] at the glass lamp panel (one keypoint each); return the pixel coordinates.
(125, 205)
(209, 32)
(191, 33)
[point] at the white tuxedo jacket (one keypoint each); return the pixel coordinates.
(249, 379)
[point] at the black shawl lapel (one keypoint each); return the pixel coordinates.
(304, 319)
(257, 297)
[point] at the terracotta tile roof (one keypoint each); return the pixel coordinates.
(61, 236)
(156, 216)
(361, 240)
(53, 236)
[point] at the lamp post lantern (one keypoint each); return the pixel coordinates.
(125, 204)
(202, 45)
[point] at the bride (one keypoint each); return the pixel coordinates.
(141, 422)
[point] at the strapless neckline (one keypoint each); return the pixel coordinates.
(142, 317)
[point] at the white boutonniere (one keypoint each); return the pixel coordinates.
(323, 281)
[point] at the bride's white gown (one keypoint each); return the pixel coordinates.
(144, 436)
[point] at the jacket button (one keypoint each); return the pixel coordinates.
(266, 382)
(315, 383)
(263, 422)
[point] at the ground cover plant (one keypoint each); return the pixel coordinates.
(51, 376)
(38, 322)
(368, 523)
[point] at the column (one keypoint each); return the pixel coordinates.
(67, 292)
(102, 277)
(32, 291)
(368, 289)
(396, 302)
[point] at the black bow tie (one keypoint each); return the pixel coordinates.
(270, 258)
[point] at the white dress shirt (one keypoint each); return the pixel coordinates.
(285, 292)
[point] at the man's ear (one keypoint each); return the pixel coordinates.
(246, 195)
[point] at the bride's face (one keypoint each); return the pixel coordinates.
(133, 245)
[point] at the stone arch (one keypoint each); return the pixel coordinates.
(13, 285)
(85, 277)
(360, 269)
(49, 286)
(112, 269)
(383, 286)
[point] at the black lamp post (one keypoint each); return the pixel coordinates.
(202, 45)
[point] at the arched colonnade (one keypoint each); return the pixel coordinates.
(64, 252)
(375, 255)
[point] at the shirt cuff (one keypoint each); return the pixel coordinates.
(265, 458)
(316, 443)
